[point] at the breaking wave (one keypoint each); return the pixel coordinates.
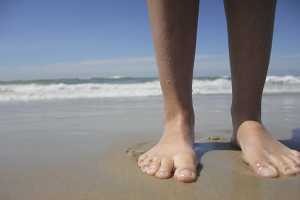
(116, 87)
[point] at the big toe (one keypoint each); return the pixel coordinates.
(185, 175)
(264, 169)
(185, 169)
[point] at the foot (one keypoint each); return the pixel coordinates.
(173, 155)
(266, 156)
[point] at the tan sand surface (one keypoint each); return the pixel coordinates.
(115, 175)
(87, 150)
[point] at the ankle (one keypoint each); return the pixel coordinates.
(180, 126)
(241, 115)
(249, 128)
(182, 118)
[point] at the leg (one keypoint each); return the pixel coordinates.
(174, 25)
(250, 29)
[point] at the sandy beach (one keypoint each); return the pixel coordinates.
(83, 85)
(87, 149)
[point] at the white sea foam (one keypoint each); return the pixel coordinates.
(36, 91)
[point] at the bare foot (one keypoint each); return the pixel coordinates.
(266, 156)
(173, 155)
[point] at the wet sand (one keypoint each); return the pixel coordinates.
(87, 149)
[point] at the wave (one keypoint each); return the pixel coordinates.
(127, 87)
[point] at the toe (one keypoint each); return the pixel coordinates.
(145, 164)
(153, 166)
(292, 168)
(141, 159)
(185, 175)
(283, 165)
(166, 168)
(185, 169)
(295, 155)
(264, 169)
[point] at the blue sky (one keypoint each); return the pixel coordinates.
(92, 38)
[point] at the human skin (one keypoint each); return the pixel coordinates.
(250, 28)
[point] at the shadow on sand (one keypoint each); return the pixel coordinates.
(208, 145)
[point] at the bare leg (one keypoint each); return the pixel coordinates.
(174, 25)
(250, 29)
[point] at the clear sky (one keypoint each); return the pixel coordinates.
(93, 38)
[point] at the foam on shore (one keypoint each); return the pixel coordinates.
(118, 87)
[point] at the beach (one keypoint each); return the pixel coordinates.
(87, 149)
(87, 87)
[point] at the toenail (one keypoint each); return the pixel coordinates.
(186, 173)
(258, 165)
(145, 168)
(151, 169)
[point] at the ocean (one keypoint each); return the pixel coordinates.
(117, 87)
